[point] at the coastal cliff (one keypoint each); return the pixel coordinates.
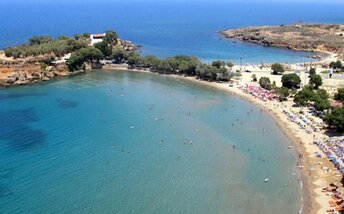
(44, 58)
(306, 37)
(29, 70)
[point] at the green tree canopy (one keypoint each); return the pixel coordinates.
(44, 46)
(315, 81)
(78, 58)
(229, 64)
(265, 83)
(308, 95)
(304, 96)
(312, 72)
(335, 119)
(218, 64)
(336, 65)
(277, 68)
(110, 37)
(339, 95)
(119, 55)
(207, 72)
(104, 47)
(283, 93)
(37, 40)
(291, 81)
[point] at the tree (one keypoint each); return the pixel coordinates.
(83, 36)
(207, 72)
(254, 78)
(335, 119)
(37, 40)
(110, 37)
(78, 58)
(322, 93)
(277, 68)
(312, 72)
(291, 81)
(164, 66)
(104, 47)
(150, 61)
(41, 45)
(283, 93)
(303, 97)
(218, 64)
(315, 81)
(308, 95)
(119, 55)
(339, 95)
(336, 65)
(135, 61)
(321, 104)
(265, 83)
(229, 64)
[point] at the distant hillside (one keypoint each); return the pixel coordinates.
(307, 37)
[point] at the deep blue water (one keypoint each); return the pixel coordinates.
(167, 28)
(124, 142)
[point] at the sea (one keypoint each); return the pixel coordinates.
(124, 142)
(168, 27)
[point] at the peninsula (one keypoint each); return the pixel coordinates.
(305, 37)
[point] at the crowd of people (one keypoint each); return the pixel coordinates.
(333, 148)
(304, 121)
(336, 202)
(258, 92)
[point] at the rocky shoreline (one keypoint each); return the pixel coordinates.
(23, 69)
(306, 37)
(17, 72)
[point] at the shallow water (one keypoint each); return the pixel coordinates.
(123, 142)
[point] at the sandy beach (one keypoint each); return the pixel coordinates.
(314, 179)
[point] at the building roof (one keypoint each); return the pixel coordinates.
(98, 35)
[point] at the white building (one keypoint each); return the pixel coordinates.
(96, 38)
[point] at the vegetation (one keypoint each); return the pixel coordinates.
(283, 93)
(337, 66)
(312, 72)
(42, 45)
(277, 68)
(78, 58)
(218, 64)
(185, 65)
(315, 81)
(254, 78)
(291, 81)
(339, 95)
(229, 64)
(307, 95)
(106, 46)
(119, 55)
(335, 119)
(265, 83)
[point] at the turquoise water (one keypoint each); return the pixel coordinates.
(166, 28)
(123, 142)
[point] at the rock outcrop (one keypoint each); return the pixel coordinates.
(306, 37)
(22, 72)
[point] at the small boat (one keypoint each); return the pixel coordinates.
(266, 180)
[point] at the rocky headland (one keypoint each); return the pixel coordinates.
(29, 70)
(23, 69)
(305, 37)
